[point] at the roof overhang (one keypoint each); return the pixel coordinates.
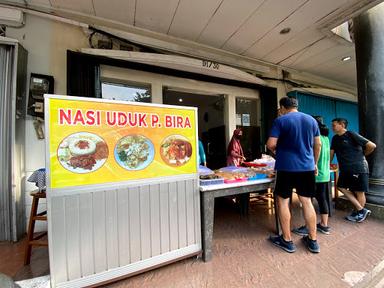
(199, 66)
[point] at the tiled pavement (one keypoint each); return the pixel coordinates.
(242, 257)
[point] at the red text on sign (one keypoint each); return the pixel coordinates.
(173, 121)
(79, 117)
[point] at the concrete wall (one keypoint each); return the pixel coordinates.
(46, 42)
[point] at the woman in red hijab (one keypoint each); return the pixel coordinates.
(235, 155)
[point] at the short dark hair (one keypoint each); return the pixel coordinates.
(341, 121)
(289, 102)
(319, 119)
(322, 127)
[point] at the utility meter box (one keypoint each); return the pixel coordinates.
(38, 86)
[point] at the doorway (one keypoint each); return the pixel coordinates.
(247, 111)
(211, 125)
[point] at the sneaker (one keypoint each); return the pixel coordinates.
(279, 241)
(352, 217)
(301, 231)
(312, 245)
(363, 214)
(323, 229)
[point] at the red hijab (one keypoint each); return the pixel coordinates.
(235, 151)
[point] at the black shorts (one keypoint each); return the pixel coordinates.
(304, 182)
(356, 182)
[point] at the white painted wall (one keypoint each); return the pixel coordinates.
(46, 42)
(188, 85)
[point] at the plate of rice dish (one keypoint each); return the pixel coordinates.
(176, 150)
(134, 152)
(82, 152)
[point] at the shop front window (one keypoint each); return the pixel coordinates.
(126, 92)
(247, 120)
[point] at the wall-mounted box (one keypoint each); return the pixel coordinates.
(11, 17)
(38, 86)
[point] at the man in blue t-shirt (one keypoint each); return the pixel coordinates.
(295, 138)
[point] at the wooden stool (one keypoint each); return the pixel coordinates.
(42, 216)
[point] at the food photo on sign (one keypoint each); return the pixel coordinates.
(134, 152)
(82, 152)
(176, 150)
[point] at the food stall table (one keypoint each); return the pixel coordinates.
(210, 192)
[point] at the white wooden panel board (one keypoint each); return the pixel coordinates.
(265, 18)
(337, 70)
(346, 74)
(18, 1)
(189, 201)
(333, 54)
(349, 79)
(99, 230)
(182, 213)
(197, 211)
(310, 52)
(117, 10)
(173, 217)
(332, 65)
(123, 226)
(155, 15)
(227, 19)
(155, 219)
(39, 2)
(57, 235)
(191, 17)
(134, 224)
(145, 222)
(83, 6)
(301, 19)
(164, 218)
(111, 229)
(86, 234)
(72, 240)
(294, 45)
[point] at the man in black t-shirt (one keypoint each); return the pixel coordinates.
(351, 149)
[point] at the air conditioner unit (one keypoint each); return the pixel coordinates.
(11, 17)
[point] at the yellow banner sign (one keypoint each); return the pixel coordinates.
(95, 142)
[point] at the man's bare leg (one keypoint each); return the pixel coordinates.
(351, 197)
(360, 196)
(309, 216)
(284, 217)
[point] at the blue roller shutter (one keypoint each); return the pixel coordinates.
(329, 108)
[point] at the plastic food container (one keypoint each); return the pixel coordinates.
(252, 164)
(233, 169)
(258, 177)
(205, 182)
(235, 180)
(204, 170)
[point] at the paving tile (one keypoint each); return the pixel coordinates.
(243, 257)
